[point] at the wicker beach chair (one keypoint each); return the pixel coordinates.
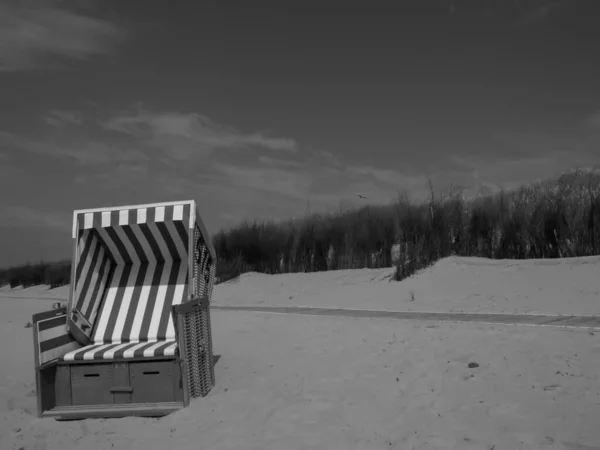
(135, 337)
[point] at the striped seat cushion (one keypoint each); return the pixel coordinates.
(122, 351)
(135, 319)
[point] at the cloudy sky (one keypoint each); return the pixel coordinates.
(257, 109)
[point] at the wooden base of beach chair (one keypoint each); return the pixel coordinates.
(146, 387)
(113, 411)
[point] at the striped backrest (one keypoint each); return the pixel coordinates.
(137, 303)
(132, 267)
(51, 338)
(94, 268)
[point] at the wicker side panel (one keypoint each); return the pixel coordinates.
(207, 320)
(204, 267)
(211, 279)
(198, 350)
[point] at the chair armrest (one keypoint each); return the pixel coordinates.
(189, 306)
(193, 333)
(51, 339)
(179, 312)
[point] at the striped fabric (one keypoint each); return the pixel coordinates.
(95, 265)
(141, 235)
(132, 267)
(136, 308)
(53, 340)
(137, 304)
(121, 351)
(151, 215)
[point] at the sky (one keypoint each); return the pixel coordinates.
(272, 109)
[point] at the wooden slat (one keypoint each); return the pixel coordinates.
(113, 411)
(51, 338)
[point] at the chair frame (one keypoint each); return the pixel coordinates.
(149, 387)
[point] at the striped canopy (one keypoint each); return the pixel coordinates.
(144, 234)
(132, 265)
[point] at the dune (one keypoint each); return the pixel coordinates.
(477, 285)
(302, 382)
(569, 286)
(40, 292)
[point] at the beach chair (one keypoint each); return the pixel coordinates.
(135, 337)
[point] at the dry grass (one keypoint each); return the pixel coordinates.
(559, 218)
(552, 219)
(54, 274)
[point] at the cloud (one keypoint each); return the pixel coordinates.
(539, 13)
(556, 150)
(182, 135)
(288, 187)
(22, 216)
(518, 158)
(10, 174)
(272, 189)
(96, 153)
(126, 161)
(31, 35)
(286, 183)
(294, 184)
(89, 153)
(389, 177)
(276, 162)
(121, 176)
(594, 120)
(61, 118)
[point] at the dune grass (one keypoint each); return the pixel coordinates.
(54, 274)
(551, 219)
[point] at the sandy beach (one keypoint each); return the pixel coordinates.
(568, 286)
(298, 382)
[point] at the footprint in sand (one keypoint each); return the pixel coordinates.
(551, 387)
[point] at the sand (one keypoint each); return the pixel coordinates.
(569, 286)
(303, 382)
(41, 292)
